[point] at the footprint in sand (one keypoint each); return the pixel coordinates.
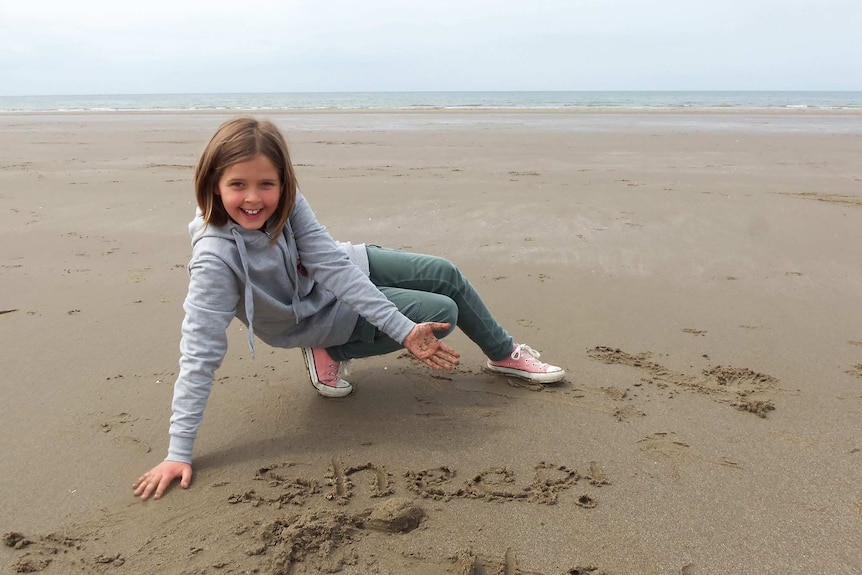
(115, 421)
(856, 370)
(665, 445)
(138, 275)
(118, 421)
(38, 553)
(125, 442)
(739, 387)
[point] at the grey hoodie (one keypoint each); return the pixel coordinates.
(304, 290)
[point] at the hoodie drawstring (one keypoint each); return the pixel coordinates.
(293, 267)
(249, 299)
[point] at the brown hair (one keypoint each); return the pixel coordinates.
(239, 140)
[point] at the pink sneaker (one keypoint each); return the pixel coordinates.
(323, 372)
(524, 363)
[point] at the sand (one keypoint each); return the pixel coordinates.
(697, 274)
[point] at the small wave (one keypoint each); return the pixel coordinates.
(527, 100)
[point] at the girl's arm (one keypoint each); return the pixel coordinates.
(214, 293)
(327, 264)
(210, 306)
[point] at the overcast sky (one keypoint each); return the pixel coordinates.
(181, 46)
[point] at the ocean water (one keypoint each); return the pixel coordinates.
(405, 101)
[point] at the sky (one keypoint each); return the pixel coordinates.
(61, 47)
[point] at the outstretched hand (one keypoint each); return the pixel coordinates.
(424, 345)
(156, 480)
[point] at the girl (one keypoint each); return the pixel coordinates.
(259, 254)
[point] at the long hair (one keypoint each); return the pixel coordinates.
(235, 141)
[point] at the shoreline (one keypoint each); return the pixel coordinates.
(470, 101)
(762, 121)
(598, 110)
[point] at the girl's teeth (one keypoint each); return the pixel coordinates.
(251, 212)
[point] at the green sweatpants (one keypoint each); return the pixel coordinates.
(424, 288)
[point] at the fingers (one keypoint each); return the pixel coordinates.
(446, 353)
(151, 484)
(144, 487)
(444, 356)
(448, 361)
(437, 363)
(449, 351)
(442, 359)
(139, 486)
(162, 485)
(155, 482)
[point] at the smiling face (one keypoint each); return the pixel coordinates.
(250, 191)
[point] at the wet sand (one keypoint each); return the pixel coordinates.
(697, 274)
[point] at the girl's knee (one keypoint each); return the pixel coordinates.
(449, 314)
(444, 269)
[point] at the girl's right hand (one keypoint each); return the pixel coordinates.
(424, 345)
(160, 477)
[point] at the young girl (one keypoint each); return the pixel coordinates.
(259, 254)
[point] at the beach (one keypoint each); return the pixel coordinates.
(697, 274)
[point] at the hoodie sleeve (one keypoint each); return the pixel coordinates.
(210, 305)
(329, 265)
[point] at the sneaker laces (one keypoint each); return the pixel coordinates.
(337, 370)
(344, 368)
(330, 370)
(523, 347)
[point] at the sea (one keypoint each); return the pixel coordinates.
(408, 101)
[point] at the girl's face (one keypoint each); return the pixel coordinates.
(250, 191)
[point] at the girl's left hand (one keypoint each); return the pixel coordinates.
(425, 346)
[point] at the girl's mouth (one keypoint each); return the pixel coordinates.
(251, 212)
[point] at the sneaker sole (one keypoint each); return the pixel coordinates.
(543, 378)
(322, 389)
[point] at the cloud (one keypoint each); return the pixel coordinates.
(303, 45)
